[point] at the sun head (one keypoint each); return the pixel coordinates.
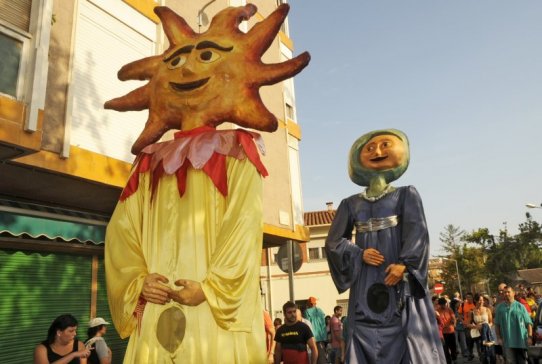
(208, 78)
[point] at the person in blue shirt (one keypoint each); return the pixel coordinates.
(317, 318)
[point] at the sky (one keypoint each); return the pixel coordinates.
(462, 78)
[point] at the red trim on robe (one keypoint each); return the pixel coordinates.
(214, 167)
(138, 312)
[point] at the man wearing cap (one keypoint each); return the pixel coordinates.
(317, 318)
(101, 354)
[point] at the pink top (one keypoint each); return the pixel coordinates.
(336, 332)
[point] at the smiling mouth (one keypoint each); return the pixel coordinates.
(378, 159)
(188, 86)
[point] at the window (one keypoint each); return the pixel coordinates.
(314, 253)
(290, 112)
(10, 64)
(324, 255)
(14, 40)
(344, 304)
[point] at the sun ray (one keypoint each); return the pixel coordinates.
(153, 131)
(175, 27)
(135, 100)
(208, 78)
(276, 72)
(253, 114)
(230, 18)
(142, 69)
(262, 34)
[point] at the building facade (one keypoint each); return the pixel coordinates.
(64, 159)
(313, 277)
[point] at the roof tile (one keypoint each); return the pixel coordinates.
(313, 218)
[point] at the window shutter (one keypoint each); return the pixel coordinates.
(16, 13)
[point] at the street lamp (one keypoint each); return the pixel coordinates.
(533, 206)
(458, 279)
(203, 19)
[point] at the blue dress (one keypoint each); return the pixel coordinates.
(385, 324)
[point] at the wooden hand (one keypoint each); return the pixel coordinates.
(155, 290)
(372, 257)
(395, 274)
(191, 293)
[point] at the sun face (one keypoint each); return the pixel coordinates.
(208, 78)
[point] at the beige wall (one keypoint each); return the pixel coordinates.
(277, 186)
(57, 78)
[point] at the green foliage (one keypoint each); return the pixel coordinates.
(451, 238)
(483, 258)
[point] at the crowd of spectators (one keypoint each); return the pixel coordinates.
(489, 329)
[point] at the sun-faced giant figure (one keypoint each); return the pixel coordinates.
(208, 78)
(183, 246)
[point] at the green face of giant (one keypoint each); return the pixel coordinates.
(383, 152)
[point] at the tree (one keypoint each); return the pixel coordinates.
(451, 238)
(484, 258)
(529, 241)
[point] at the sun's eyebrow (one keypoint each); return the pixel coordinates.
(208, 44)
(185, 49)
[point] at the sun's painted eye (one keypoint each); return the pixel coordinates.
(177, 62)
(208, 56)
(371, 148)
(386, 144)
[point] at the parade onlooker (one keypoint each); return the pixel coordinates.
(460, 334)
(481, 323)
(292, 339)
(336, 327)
(328, 335)
(513, 325)
(99, 351)
(520, 297)
(300, 318)
(500, 296)
(448, 321)
(277, 323)
(269, 336)
(498, 299)
(531, 301)
(455, 302)
(465, 317)
(61, 344)
(317, 317)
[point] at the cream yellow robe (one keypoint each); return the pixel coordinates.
(201, 236)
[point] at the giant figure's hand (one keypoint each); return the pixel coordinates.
(372, 257)
(191, 294)
(155, 290)
(395, 274)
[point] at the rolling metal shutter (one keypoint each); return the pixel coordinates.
(36, 288)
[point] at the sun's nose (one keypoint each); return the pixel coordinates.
(187, 70)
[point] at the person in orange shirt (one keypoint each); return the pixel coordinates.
(269, 336)
(465, 316)
(448, 320)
